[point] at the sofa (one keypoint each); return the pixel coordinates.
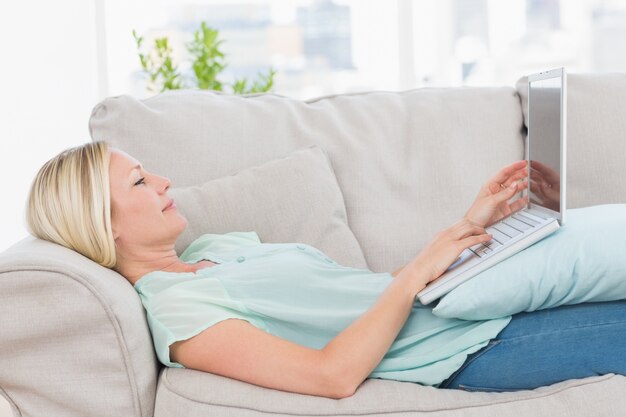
(367, 178)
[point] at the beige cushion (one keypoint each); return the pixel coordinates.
(291, 199)
(596, 128)
(408, 163)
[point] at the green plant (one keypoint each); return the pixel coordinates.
(208, 63)
(266, 83)
(159, 66)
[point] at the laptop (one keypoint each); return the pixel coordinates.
(545, 210)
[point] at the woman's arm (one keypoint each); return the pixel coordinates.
(236, 349)
(356, 351)
(397, 271)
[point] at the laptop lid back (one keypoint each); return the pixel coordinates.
(547, 157)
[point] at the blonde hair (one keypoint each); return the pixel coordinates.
(70, 203)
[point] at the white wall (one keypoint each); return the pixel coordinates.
(49, 79)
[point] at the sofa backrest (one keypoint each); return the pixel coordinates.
(408, 163)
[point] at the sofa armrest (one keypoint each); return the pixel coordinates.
(74, 339)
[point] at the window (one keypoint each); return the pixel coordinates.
(324, 47)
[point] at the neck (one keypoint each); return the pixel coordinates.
(133, 263)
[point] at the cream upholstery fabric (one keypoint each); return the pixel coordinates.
(74, 340)
(408, 164)
(198, 394)
(290, 199)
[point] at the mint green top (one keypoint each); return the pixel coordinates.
(296, 292)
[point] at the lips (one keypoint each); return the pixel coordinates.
(169, 205)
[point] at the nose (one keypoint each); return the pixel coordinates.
(165, 184)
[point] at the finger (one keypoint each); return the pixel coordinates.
(520, 174)
(516, 176)
(537, 165)
(508, 170)
(519, 204)
(471, 231)
(473, 240)
(464, 229)
(495, 187)
(534, 175)
(506, 193)
(544, 169)
(522, 185)
(534, 171)
(536, 188)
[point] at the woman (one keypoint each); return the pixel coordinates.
(302, 323)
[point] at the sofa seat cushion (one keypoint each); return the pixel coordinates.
(190, 393)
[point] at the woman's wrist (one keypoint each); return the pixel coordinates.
(416, 274)
(470, 219)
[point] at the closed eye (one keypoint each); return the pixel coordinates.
(141, 181)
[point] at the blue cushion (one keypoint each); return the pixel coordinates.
(583, 261)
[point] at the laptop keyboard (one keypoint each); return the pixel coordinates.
(506, 229)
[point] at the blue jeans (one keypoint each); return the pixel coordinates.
(548, 346)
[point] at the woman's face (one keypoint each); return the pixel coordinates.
(141, 211)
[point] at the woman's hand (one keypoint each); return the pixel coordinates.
(491, 204)
(443, 250)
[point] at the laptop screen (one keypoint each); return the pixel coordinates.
(544, 144)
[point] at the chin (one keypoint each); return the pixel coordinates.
(182, 224)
